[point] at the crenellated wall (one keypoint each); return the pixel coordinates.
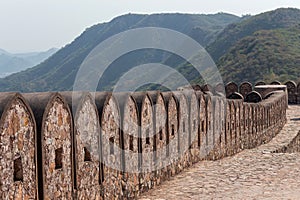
(235, 91)
(293, 92)
(123, 144)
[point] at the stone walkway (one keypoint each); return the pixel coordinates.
(251, 174)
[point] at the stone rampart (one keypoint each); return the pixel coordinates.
(116, 146)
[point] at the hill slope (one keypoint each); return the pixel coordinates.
(58, 72)
(265, 55)
(280, 18)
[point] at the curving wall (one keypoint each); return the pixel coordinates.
(123, 144)
(235, 91)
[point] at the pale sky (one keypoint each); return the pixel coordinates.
(37, 25)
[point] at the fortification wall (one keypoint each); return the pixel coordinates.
(143, 139)
(292, 147)
(235, 91)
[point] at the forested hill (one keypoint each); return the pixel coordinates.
(265, 55)
(279, 18)
(262, 47)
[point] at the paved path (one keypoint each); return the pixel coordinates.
(251, 174)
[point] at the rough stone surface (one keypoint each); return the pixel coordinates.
(161, 134)
(57, 152)
(194, 138)
(17, 143)
(260, 83)
(293, 95)
(298, 94)
(131, 148)
(170, 163)
(183, 142)
(87, 151)
(253, 97)
(147, 176)
(252, 174)
(265, 90)
(127, 147)
(209, 126)
(235, 95)
(203, 124)
(245, 88)
(111, 154)
(231, 88)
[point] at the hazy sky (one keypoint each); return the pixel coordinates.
(36, 25)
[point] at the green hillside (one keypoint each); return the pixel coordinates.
(265, 55)
(59, 71)
(280, 18)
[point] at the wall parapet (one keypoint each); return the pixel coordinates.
(235, 91)
(119, 145)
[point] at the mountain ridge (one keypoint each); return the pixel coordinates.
(59, 71)
(226, 37)
(15, 62)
